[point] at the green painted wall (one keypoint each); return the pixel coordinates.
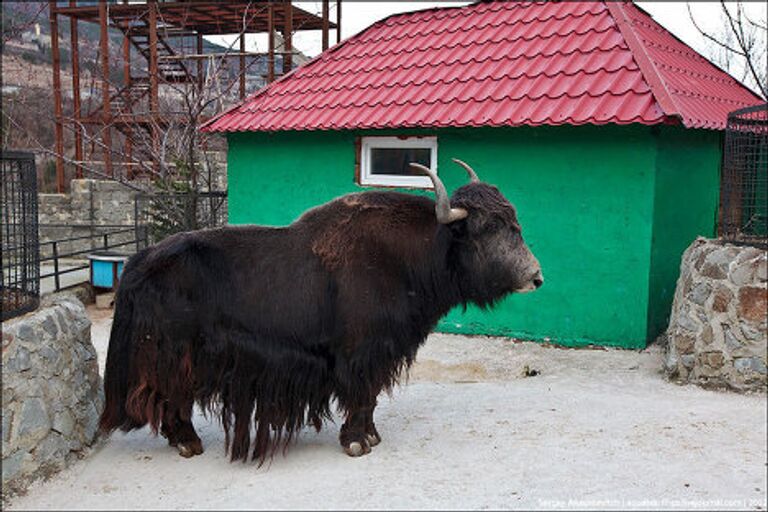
(686, 196)
(585, 197)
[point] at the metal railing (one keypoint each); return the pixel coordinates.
(103, 245)
(156, 216)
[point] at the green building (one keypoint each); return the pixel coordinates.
(601, 127)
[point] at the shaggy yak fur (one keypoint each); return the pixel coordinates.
(268, 326)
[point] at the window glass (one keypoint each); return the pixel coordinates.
(396, 160)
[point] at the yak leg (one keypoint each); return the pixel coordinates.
(372, 435)
(178, 429)
(177, 419)
(358, 433)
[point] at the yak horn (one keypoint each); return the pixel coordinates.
(472, 175)
(445, 214)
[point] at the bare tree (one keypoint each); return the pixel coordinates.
(740, 42)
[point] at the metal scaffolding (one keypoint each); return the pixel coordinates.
(152, 30)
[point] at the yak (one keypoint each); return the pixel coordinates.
(272, 325)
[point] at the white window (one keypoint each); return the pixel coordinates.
(384, 161)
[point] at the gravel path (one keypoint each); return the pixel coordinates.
(594, 429)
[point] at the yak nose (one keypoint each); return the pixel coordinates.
(538, 280)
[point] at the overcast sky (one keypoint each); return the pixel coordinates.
(357, 15)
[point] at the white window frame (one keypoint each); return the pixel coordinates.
(395, 180)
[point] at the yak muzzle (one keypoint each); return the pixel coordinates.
(538, 280)
(533, 283)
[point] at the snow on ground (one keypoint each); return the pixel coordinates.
(595, 429)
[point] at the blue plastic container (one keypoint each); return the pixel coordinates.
(106, 268)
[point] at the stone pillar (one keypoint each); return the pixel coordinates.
(717, 330)
(52, 392)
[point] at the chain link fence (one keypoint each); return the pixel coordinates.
(744, 186)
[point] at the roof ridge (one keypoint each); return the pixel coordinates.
(642, 59)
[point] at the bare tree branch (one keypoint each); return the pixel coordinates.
(709, 36)
(747, 49)
(757, 24)
(746, 41)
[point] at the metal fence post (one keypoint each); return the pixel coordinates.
(136, 221)
(56, 282)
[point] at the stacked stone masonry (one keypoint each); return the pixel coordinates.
(717, 333)
(88, 209)
(94, 207)
(52, 392)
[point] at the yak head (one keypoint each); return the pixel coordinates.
(488, 247)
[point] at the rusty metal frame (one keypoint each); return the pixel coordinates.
(151, 23)
(59, 127)
(203, 17)
(106, 103)
(77, 104)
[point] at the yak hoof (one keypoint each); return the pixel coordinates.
(185, 451)
(188, 450)
(356, 449)
(373, 439)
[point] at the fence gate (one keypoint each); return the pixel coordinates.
(744, 187)
(21, 258)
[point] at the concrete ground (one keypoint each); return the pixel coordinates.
(48, 284)
(595, 429)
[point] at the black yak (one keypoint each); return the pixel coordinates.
(271, 325)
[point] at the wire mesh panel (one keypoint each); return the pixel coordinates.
(21, 260)
(744, 188)
(161, 215)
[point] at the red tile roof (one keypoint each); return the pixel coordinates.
(498, 64)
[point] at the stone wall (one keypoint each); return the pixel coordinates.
(52, 393)
(94, 207)
(717, 333)
(106, 202)
(91, 207)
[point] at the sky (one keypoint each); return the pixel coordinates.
(357, 15)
